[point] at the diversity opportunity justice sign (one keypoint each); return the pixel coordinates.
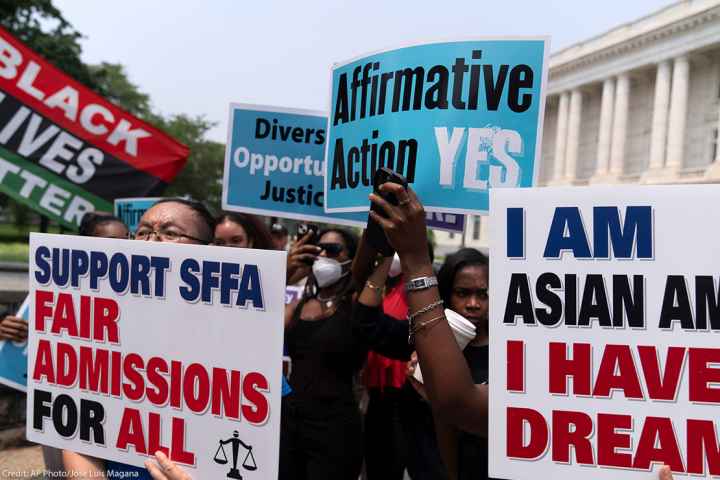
(65, 150)
(455, 118)
(604, 325)
(274, 165)
(140, 346)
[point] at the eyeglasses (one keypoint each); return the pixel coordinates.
(332, 249)
(165, 235)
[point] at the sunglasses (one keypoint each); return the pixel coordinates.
(332, 249)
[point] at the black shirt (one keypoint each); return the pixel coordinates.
(473, 450)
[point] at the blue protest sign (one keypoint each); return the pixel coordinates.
(130, 210)
(455, 118)
(450, 222)
(274, 164)
(13, 356)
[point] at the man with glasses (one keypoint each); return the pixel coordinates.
(174, 220)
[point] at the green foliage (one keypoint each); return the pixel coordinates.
(201, 178)
(112, 81)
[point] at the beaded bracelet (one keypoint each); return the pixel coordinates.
(425, 309)
(415, 328)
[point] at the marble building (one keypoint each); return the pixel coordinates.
(637, 104)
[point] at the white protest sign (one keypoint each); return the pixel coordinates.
(140, 346)
(605, 315)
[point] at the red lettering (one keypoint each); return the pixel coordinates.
(64, 316)
(658, 431)
(115, 373)
(253, 385)
(702, 443)
(43, 308)
(226, 393)
(617, 358)
(44, 362)
(106, 313)
(666, 388)
(85, 317)
(175, 383)
(608, 439)
(94, 368)
(578, 437)
(67, 365)
(156, 366)
(515, 366)
(136, 388)
(578, 368)
(516, 446)
(701, 375)
(197, 396)
(178, 452)
(131, 432)
(154, 434)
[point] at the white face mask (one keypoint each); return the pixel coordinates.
(395, 267)
(328, 271)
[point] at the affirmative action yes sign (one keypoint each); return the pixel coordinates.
(140, 346)
(455, 118)
(605, 315)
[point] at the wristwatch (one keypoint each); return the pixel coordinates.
(421, 283)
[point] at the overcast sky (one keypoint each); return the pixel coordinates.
(196, 57)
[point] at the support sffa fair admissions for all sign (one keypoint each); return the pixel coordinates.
(136, 347)
(604, 329)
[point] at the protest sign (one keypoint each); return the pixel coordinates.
(455, 118)
(131, 210)
(65, 150)
(604, 316)
(13, 356)
(143, 346)
(274, 164)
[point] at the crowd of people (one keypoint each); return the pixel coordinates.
(363, 326)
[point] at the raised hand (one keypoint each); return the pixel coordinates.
(13, 328)
(165, 469)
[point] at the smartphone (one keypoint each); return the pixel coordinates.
(375, 234)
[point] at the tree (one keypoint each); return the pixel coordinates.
(112, 81)
(201, 178)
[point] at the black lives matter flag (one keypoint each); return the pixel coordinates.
(65, 150)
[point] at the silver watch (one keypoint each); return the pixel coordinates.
(421, 283)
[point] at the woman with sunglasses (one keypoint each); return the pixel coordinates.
(321, 434)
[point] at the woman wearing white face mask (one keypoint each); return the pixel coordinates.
(321, 433)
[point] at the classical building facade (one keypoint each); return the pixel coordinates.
(638, 104)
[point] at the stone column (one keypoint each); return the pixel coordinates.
(658, 138)
(573, 135)
(619, 128)
(678, 113)
(605, 134)
(561, 138)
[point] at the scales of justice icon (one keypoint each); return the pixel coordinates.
(235, 442)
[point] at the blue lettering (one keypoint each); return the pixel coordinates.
(43, 275)
(98, 268)
(250, 288)
(60, 273)
(119, 273)
(637, 228)
(229, 282)
(160, 264)
(140, 274)
(515, 232)
(188, 267)
(576, 240)
(79, 261)
(209, 279)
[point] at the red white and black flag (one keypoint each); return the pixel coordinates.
(65, 150)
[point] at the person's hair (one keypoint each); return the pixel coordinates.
(279, 229)
(255, 228)
(92, 220)
(453, 264)
(199, 208)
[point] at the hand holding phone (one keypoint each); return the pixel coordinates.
(375, 234)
